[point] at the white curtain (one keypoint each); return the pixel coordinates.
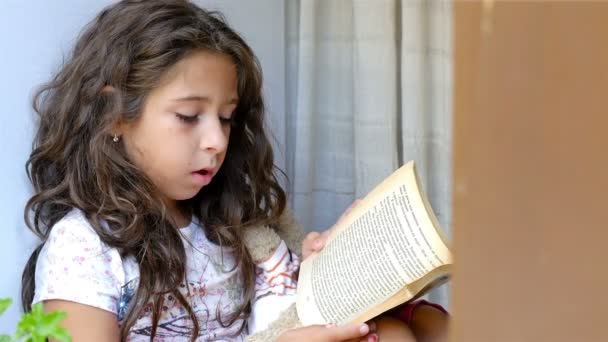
(369, 87)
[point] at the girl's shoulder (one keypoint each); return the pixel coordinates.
(74, 227)
(73, 234)
(74, 238)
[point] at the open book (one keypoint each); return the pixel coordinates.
(388, 250)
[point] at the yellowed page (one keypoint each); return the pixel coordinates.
(388, 241)
(435, 278)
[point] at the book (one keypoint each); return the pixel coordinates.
(386, 251)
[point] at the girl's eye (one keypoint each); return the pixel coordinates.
(189, 119)
(226, 120)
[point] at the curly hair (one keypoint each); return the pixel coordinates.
(129, 46)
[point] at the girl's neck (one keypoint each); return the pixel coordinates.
(179, 215)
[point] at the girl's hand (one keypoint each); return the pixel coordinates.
(327, 333)
(315, 241)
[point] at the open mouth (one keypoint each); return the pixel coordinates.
(203, 176)
(203, 172)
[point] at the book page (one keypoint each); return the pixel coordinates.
(385, 243)
(412, 291)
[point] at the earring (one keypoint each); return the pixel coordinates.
(116, 138)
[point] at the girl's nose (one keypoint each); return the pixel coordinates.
(214, 137)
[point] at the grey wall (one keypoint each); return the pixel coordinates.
(33, 36)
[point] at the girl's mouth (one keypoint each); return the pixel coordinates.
(203, 176)
(203, 172)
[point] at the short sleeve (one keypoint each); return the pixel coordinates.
(275, 288)
(74, 265)
(278, 274)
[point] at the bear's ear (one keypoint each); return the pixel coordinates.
(261, 243)
(291, 232)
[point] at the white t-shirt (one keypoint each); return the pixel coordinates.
(74, 265)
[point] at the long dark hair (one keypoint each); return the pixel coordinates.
(129, 46)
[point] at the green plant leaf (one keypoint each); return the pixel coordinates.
(4, 304)
(61, 334)
(37, 310)
(26, 325)
(53, 319)
(36, 326)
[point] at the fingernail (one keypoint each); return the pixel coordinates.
(330, 325)
(364, 329)
(372, 326)
(372, 338)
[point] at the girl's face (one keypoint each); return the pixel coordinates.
(181, 137)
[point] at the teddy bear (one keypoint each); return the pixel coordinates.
(262, 242)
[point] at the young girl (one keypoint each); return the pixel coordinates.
(149, 164)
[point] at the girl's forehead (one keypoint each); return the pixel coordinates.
(202, 74)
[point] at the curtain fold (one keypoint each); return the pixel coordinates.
(369, 87)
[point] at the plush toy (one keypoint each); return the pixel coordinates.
(262, 243)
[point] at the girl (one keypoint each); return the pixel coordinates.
(149, 164)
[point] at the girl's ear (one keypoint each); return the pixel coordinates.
(107, 90)
(117, 128)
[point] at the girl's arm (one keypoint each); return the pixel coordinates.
(86, 323)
